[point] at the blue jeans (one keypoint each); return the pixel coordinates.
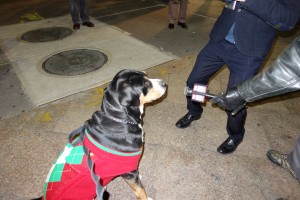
(79, 11)
(211, 59)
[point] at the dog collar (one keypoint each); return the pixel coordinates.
(123, 121)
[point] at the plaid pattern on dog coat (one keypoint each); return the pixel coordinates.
(70, 178)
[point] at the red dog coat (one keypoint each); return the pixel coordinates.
(70, 177)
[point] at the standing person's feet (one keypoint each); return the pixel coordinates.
(186, 120)
(88, 24)
(183, 25)
(76, 26)
(229, 145)
(171, 26)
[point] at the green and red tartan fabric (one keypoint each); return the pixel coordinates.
(70, 179)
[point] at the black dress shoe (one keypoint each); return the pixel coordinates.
(183, 25)
(186, 120)
(76, 26)
(171, 26)
(229, 145)
(88, 24)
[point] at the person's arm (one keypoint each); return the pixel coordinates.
(282, 77)
(282, 15)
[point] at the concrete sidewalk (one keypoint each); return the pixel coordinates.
(176, 164)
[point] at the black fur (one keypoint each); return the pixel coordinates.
(121, 100)
(118, 124)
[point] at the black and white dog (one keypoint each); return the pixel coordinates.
(110, 144)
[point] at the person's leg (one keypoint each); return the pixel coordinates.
(182, 11)
(74, 9)
(241, 68)
(172, 12)
(208, 63)
(83, 11)
(294, 159)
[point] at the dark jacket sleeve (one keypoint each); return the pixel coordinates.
(282, 15)
(282, 77)
(256, 24)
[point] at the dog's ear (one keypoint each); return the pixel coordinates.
(131, 91)
(130, 100)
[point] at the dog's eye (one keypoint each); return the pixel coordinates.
(147, 87)
(147, 84)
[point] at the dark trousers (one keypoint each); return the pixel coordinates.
(79, 11)
(211, 59)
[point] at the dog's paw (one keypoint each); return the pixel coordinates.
(149, 198)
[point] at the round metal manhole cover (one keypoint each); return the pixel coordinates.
(75, 62)
(46, 34)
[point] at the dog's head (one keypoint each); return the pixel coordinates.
(132, 89)
(118, 124)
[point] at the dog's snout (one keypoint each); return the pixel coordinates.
(162, 83)
(159, 85)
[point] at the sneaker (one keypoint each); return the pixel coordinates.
(280, 160)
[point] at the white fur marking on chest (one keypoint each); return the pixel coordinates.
(143, 135)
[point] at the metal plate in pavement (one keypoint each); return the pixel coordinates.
(75, 62)
(46, 34)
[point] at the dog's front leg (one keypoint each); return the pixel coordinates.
(134, 181)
